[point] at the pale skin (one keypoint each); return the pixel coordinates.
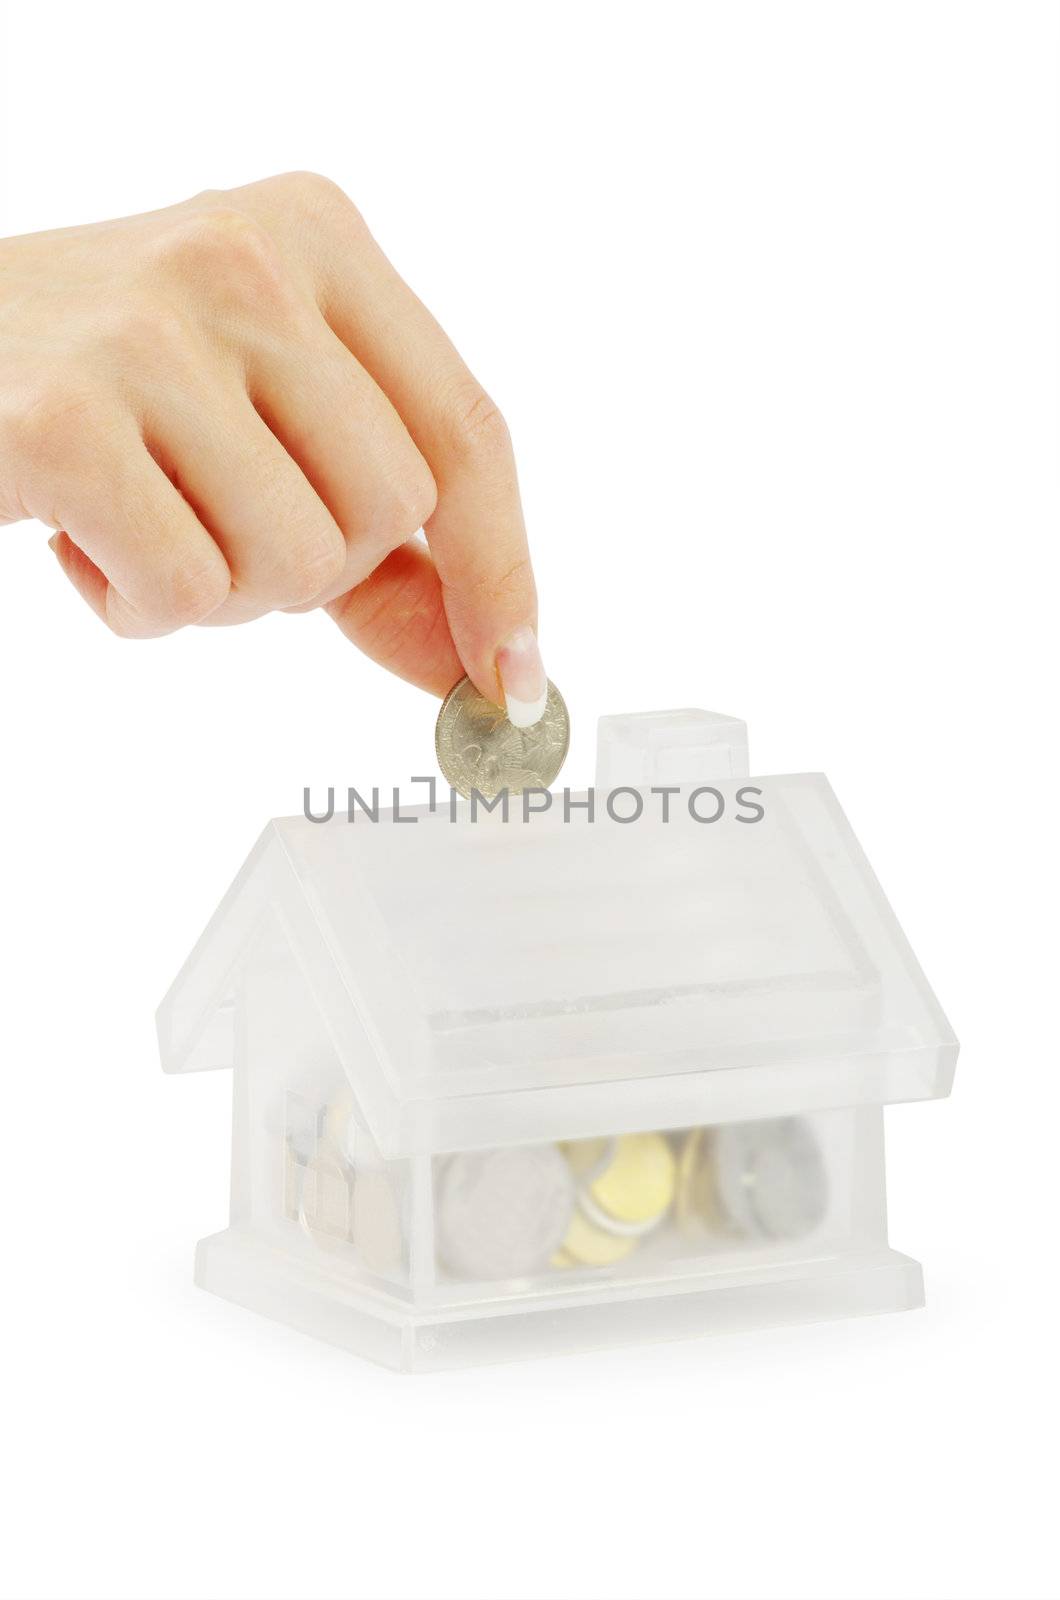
(235, 406)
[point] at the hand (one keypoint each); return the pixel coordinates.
(235, 406)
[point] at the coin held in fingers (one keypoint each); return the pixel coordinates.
(478, 748)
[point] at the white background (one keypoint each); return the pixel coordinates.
(768, 295)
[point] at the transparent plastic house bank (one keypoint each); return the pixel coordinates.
(506, 1088)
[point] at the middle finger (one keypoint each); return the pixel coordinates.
(349, 442)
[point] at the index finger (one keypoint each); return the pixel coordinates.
(477, 535)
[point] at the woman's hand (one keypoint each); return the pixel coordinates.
(235, 406)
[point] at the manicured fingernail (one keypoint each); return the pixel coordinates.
(53, 542)
(522, 679)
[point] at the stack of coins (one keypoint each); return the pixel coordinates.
(324, 1207)
(339, 1201)
(625, 1187)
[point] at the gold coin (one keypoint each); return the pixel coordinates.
(478, 748)
(696, 1199)
(637, 1185)
(586, 1245)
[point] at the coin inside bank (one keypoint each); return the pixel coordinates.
(587, 1205)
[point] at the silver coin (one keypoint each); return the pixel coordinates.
(502, 1213)
(478, 748)
(771, 1177)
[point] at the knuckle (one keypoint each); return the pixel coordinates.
(191, 592)
(309, 190)
(123, 624)
(312, 198)
(219, 230)
(411, 505)
(126, 622)
(49, 426)
(222, 248)
(307, 570)
(209, 199)
(478, 432)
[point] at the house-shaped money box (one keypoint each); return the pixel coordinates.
(605, 1071)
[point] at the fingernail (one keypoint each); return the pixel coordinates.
(522, 679)
(53, 542)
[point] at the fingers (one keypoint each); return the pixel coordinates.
(476, 533)
(247, 489)
(273, 415)
(397, 617)
(132, 547)
(281, 544)
(90, 583)
(349, 443)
